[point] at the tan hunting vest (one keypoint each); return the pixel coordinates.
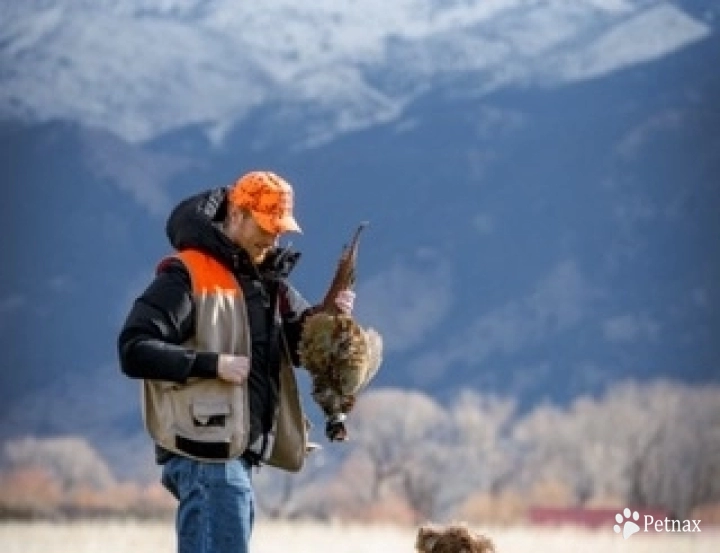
(207, 419)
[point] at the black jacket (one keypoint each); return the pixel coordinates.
(163, 317)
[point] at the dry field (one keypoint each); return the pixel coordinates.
(155, 537)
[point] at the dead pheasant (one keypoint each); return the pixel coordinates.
(340, 355)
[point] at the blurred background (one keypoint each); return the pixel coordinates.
(542, 182)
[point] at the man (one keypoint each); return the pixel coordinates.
(214, 338)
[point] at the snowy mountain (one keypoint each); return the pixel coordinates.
(139, 68)
(541, 180)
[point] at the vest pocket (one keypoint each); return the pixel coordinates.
(210, 413)
(206, 419)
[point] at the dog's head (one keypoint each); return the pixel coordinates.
(455, 538)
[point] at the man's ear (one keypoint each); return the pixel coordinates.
(427, 537)
(234, 214)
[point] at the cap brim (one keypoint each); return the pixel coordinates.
(290, 225)
(273, 225)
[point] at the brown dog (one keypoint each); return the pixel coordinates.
(455, 538)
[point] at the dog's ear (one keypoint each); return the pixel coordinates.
(481, 544)
(427, 537)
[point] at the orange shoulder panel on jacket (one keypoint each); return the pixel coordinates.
(206, 273)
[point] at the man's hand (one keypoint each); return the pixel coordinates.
(345, 301)
(233, 368)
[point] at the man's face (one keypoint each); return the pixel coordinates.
(245, 232)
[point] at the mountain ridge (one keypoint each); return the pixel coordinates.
(79, 60)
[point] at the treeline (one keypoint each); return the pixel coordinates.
(64, 477)
(478, 458)
(410, 459)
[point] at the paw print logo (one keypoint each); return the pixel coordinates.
(630, 527)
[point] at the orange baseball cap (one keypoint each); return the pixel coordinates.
(269, 198)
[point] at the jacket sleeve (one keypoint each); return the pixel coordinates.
(161, 319)
(294, 308)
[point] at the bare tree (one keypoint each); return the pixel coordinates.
(680, 467)
(71, 460)
(399, 431)
(279, 494)
(484, 453)
(424, 479)
(653, 444)
(593, 445)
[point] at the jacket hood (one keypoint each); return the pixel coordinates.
(193, 223)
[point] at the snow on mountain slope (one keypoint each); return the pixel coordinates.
(141, 68)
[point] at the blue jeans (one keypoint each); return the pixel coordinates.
(216, 504)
